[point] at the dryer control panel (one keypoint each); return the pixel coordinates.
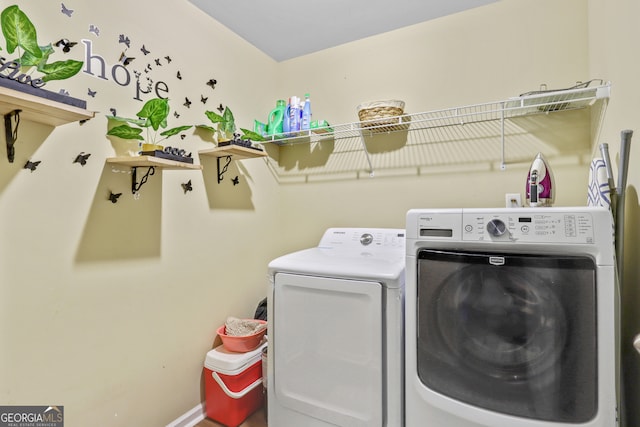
(383, 238)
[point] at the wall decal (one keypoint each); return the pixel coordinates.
(124, 59)
(113, 111)
(168, 58)
(144, 50)
(212, 83)
(176, 115)
(113, 197)
(220, 108)
(186, 186)
(82, 158)
(179, 76)
(65, 44)
(235, 180)
(187, 103)
(124, 39)
(203, 99)
(31, 165)
(19, 32)
(66, 11)
(95, 30)
(158, 63)
(91, 93)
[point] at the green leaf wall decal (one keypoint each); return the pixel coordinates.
(60, 70)
(18, 30)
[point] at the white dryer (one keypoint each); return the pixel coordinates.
(511, 318)
(336, 331)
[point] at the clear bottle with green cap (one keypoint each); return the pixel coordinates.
(306, 113)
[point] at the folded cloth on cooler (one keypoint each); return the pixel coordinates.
(598, 192)
(243, 327)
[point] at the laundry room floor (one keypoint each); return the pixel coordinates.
(257, 419)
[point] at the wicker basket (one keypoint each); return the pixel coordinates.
(380, 113)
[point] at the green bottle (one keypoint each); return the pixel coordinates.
(276, 117)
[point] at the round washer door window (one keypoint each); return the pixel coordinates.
(517, 337)
(501, 323)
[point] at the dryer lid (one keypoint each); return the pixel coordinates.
(374, 254)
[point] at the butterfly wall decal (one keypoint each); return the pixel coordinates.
(113, 111)
(113, 197)
(124, 39)
(82, 158)
(235, 180)
(186, 186)
(125, 60)
(212, 83)
(65, 44)
(179, 76)
(31, 165)
(91, 93)
(220, 108)
(65, 10)
(176, 115)
(187, 103)
(203, 99)
(158, 63)
(144, 50)
(168, 58)
(95, 30)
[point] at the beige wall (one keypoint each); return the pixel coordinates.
(483, 55)
(613, 48)
(109, 309)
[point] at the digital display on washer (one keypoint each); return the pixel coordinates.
(436, 232)
(524, 219)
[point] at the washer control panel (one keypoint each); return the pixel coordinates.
(529, 227)
(535, 225)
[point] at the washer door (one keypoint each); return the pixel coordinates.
(327, 349)
(515, 334)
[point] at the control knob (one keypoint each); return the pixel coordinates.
(366, 239)
(496, 227)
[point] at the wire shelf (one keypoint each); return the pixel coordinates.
(459, 127)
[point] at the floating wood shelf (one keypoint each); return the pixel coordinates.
(231, 152)
(41, 110)
(236, 152)
(151, 161)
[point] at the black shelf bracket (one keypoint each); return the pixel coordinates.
(221, 171)
(135, 185)
(11, 132)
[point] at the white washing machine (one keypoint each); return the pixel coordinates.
(336, 331)
(511, 318)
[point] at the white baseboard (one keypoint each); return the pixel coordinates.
(190, 418)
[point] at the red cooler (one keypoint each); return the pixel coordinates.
(232, 384)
